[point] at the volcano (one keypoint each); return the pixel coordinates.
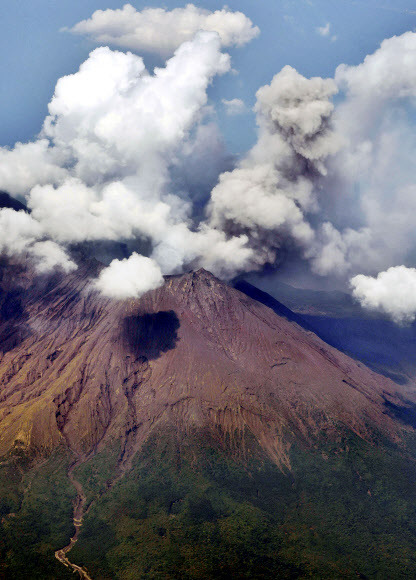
(192, 433)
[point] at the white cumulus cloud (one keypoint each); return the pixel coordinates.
(162, 31)
(392, 292)
(129, 278)
(29, 164)
(102, 169)
(234, 106)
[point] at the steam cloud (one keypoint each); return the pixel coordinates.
(119, 155)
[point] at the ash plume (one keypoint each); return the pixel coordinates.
(272, 190)
(369, 236)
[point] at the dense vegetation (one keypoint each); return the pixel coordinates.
(188, 510)
(192, 509)
(35, 516)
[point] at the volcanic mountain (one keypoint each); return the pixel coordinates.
(184, 426)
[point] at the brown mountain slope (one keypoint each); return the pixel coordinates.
(88, 371)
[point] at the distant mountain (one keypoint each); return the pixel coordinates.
(268, 300)
(194, 433)
(303, 301)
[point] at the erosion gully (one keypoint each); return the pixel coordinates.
(79, 513)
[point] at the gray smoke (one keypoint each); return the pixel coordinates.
(370, 235)
(272, 190)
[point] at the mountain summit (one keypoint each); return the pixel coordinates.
(194, 406)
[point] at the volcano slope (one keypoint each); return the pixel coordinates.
(193, 433)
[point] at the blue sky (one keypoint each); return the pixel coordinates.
(34, 52)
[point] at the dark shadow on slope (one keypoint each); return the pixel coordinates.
(150, 335)
(13, 320)
(11, 307)
(406, 413)
(12, 334)
(13, 317)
